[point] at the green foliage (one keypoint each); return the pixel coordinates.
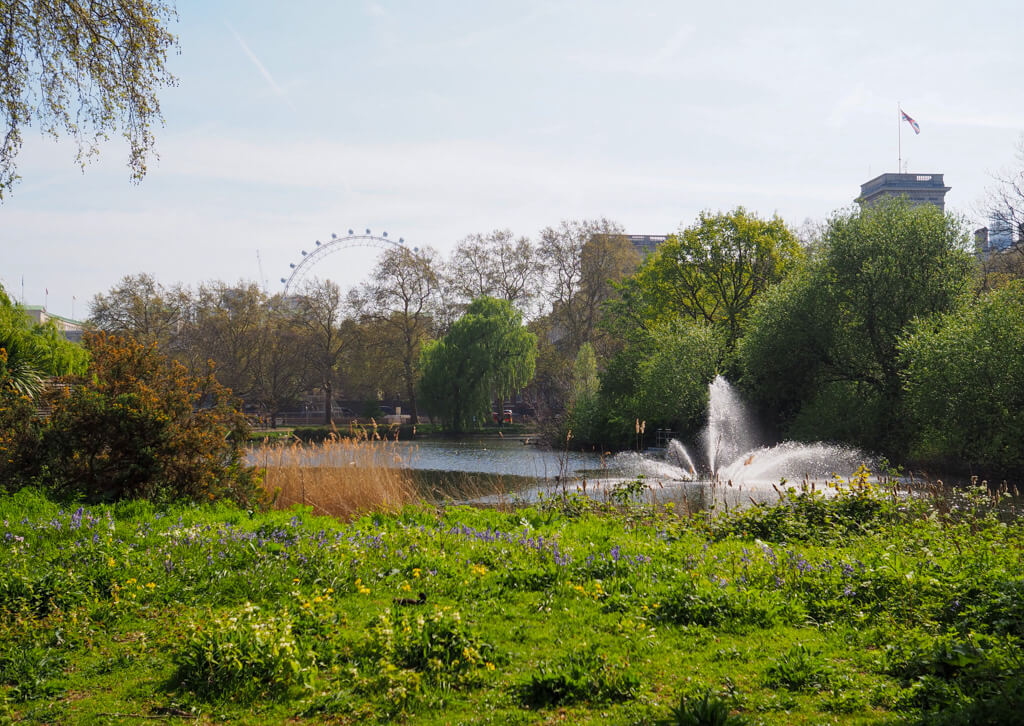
(139, 426)
(487, 353)
(662, 378)
(585, 383)
(56, 75)
(718, 605)
(245, 655)
(702, 708)
(798, 669)
(710, 273)
(586, 674)
(28, 353)
(29, 665)
(957, 678)
(841, 319)
(437, 644)
(964, 375)
(607, 613)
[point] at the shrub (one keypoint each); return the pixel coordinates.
(20, 433)
(244, 656)
(138, 425)
(437, 644)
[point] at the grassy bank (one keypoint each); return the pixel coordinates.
(860, 608)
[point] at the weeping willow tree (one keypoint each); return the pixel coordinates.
(486, 354)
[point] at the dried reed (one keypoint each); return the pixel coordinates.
(341, 477)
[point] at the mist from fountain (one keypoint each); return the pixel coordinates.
(736, 452)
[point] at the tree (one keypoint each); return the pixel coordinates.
(660, 377)
(280, 371)
(137, 425)
(964, 376)
(227, 325)
(710, 272)
(30, 353)
(140, 307)
(581, 260)
(85, 69)
(496, 265)
(321, 313)
(486, 354)
(831, 332)
(401, 296)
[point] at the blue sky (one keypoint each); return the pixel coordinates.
(436, 120)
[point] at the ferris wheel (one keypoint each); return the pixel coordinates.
(323, 249)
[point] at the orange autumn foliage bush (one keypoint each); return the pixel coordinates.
(138, 425)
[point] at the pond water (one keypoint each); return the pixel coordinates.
(509, 456)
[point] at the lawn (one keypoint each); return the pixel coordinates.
(856, 608)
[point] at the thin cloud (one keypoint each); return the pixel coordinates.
(262, 69)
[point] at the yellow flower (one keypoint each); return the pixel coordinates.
(111, 562)
(416, 572)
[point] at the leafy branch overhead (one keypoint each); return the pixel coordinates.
(88, 70)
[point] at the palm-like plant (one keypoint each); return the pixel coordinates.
(703, 709)
(20, 368)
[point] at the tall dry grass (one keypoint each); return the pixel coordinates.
(342, 477)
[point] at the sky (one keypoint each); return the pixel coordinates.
(433, 121)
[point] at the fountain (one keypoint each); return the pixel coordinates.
(735, 451)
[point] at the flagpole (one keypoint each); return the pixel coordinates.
(899, 135)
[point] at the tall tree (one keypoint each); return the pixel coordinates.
(581, 260)
(85, 69)
(486, 353)
(831, 332)
(226, 327)
(964, 376)
(141, 308)
(401, 295)
(710, 272)
(280, 365)
(496, 265)
(322, 311)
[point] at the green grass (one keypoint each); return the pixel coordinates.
(858, 609)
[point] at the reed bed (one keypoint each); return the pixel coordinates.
(340, 477)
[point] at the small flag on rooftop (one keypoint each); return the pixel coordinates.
(913, 124)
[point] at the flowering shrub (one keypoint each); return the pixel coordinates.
(139, 426)
(246, 654)
(437, 644)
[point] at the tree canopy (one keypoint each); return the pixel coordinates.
(710, 272)
(84, 69)
(964, 375)
(487, 353)
(832, 330)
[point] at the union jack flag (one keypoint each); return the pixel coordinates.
(913, 124)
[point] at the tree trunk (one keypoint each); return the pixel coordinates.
(328, 401)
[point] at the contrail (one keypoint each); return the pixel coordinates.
(262, 68)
